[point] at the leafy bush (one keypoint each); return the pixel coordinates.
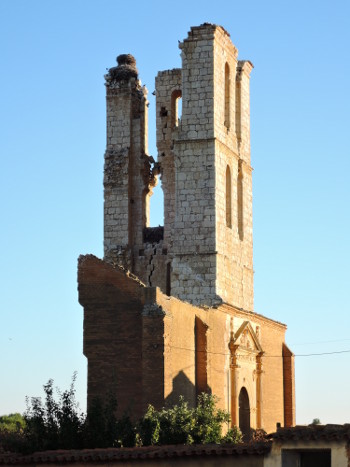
(181, 424)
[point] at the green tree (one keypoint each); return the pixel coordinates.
(316, 421)
(12, 422)
(54, 424)
(12, 437)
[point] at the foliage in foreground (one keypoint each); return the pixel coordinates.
(12, 422)
(58, 423)
(184, 425)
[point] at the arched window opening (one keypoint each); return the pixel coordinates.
(227, 96)
(176, 107)
(244, 413)
(179, 110)
(240, 203)
(228, 198)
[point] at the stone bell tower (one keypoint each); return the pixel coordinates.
(205, 163)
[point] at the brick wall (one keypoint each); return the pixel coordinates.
(289, 386)
(112, 333)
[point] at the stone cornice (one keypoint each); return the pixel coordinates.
(244, 66)
(251, 315)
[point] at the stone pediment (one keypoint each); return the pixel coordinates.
(247, 339)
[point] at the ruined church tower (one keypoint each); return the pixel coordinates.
(204, 255)
(169, 310)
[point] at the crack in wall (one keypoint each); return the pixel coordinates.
(151, 264)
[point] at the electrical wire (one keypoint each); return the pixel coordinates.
(264, 355)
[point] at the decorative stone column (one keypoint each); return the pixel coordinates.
(233, 380)
(259, 372)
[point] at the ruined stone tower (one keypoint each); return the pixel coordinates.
(169, 311)
(127, 171)
(205, 255)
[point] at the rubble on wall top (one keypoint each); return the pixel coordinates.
(153, 234)
(172, 71)
(212, 26)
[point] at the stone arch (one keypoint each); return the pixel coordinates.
(244, 412)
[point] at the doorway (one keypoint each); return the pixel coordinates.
(244, 413)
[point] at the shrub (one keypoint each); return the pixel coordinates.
(181, 424)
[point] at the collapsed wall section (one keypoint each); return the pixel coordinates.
(123, 337)
(112, 328)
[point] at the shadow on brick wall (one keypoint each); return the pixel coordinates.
(182, 386)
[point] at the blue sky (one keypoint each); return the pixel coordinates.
(52, 121)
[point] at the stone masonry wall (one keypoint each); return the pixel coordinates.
(235, 248)
(194, 264)
(210, 261)
(128, 174)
